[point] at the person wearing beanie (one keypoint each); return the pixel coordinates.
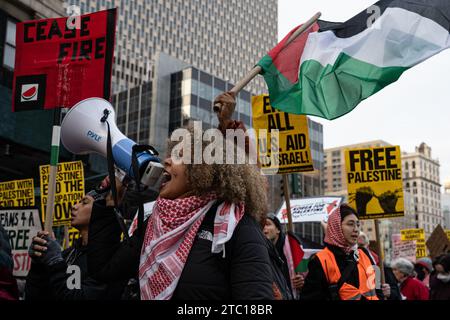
(274, 232)
(52, 268)
(410, 287)
(440, 278)
(341, 271)
(423, 268)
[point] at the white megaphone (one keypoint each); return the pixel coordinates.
(83, 132)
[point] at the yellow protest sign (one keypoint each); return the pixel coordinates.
(282, 139)
(69, 190)
(419, 236)
(374, 182)
(412, 234)
(447, 232)
(74, 234)
(17, 193)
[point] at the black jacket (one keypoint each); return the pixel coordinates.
(317, 288)
(45, 283)
(244, 273)
(279, 266)
(316, 285)
(439, 290)
(50, 283)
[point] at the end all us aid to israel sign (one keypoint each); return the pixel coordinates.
(288, 151)
(61, 61)
(374, 182)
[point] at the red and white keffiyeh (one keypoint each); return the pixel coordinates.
(334, 234)
(171, 231)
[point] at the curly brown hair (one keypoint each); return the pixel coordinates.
(231, 182)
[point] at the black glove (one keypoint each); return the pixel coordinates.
(133, 198)
(53, 255)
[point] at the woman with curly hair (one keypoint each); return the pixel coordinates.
(203, 239)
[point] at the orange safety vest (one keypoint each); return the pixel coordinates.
(347, 291)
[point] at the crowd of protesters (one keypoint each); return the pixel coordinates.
(207, 235)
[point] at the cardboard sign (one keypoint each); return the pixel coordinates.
(287, 152)
(374, 182)
(17, 193)
(21, 225)
(438, 243)
(69, 190)
(309, 209)
(403, 249)
(61, 61)
(412, 234)
(417, 235)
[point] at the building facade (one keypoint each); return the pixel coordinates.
(223, 38)
(421, 178)
(178, 93)
(446, 204)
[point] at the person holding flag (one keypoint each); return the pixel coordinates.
(290, 251)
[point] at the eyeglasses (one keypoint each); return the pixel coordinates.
(353, 225)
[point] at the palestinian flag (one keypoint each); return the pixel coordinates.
(293, 251)
(332, 67)
(303, 267)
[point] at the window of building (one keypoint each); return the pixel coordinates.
(10, 45)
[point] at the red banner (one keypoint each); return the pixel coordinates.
(63, 60)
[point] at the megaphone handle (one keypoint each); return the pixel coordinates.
(112, 181)
(137, 175)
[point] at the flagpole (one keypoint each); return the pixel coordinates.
(380, 251)
(257, 69)
(54, 155)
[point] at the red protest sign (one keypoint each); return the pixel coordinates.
(58, 62)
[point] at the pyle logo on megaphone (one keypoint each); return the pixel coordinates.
(83, 132)
(94, 136)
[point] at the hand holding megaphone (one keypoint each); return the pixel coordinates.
(84, 132)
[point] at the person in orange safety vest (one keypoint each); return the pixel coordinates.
(341, 271)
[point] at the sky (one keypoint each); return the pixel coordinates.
(413, 110)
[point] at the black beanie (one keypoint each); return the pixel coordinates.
(275, 220)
